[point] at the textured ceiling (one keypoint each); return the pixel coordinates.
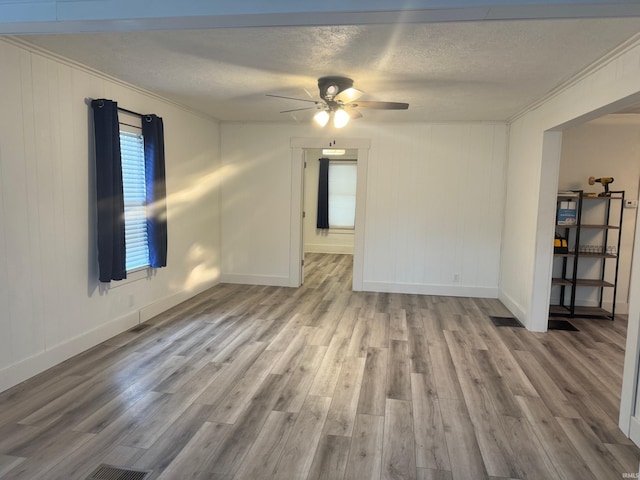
(445, 71)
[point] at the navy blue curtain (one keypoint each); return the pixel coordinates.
(323, 195)
(110, 200)
(153, 132)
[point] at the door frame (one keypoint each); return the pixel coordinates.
(298, 146)
(628, 419)
(628, 422)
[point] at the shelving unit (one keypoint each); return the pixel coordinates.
(587, 266)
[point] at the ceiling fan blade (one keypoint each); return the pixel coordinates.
(381, 105)
(348, 95)
(353, 113)
(297, 109)
(291, 98)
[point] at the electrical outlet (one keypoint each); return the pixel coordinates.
(631, 204)
(456, 277)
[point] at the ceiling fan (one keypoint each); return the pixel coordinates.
(339, 100)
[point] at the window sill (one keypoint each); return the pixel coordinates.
(133, 276)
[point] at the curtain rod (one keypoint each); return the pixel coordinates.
(88, 100)
(340, 159)
(131, 112)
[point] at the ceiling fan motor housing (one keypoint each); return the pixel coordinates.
(332, 86)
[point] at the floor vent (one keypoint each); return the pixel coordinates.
(140, 327)
(506, 322)
(110, 472)
(562, 325)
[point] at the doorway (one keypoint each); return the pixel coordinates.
(629, 422)
(298, 147)
(604, 147)
(607, 147)
(339, 238)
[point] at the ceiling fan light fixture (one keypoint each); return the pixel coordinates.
(338, 102)
(332, 91)
(332, 86)
(340, 118)
(321, 118)
(348, 95)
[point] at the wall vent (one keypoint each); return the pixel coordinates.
(111, 472)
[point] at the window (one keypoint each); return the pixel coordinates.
(342, 194)
(130, 234)
(135, 198)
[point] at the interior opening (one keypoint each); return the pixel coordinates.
(339, 238)
(599, 159)
(605, 148)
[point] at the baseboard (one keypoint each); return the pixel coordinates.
(149, 311)
(319, 248)
(514, 308)
(269, 280)
(27, 368)
(425, 289)
(634, 431)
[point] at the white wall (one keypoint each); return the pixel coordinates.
(321, 241)
(256, 203)
(532, 179)
(51, 305)
(435, 201)
(606, 147)
(434, 204)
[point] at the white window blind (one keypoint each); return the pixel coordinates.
(342, 194)
(135, 208)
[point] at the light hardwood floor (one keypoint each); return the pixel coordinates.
(253, 382)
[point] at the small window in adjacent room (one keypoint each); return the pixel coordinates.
(342, 194)
(134, 189)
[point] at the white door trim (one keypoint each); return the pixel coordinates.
(629, 394)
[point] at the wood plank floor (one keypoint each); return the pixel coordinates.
(254, 382)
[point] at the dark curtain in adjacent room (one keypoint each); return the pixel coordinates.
(153, 133)
(110, 200)
(323, 195)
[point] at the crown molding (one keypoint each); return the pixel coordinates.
(23, 44)
(599, 64)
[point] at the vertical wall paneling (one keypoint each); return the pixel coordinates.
(497, 195)
(433, 216)
(256, 203)
(51, 305)
(74, 125)
(57, 124)
(45, 185)
(15, 190)
(6, 85)
(423, 229)
(431, 210)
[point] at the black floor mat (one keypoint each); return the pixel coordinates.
(506, 322)
(561, 325)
